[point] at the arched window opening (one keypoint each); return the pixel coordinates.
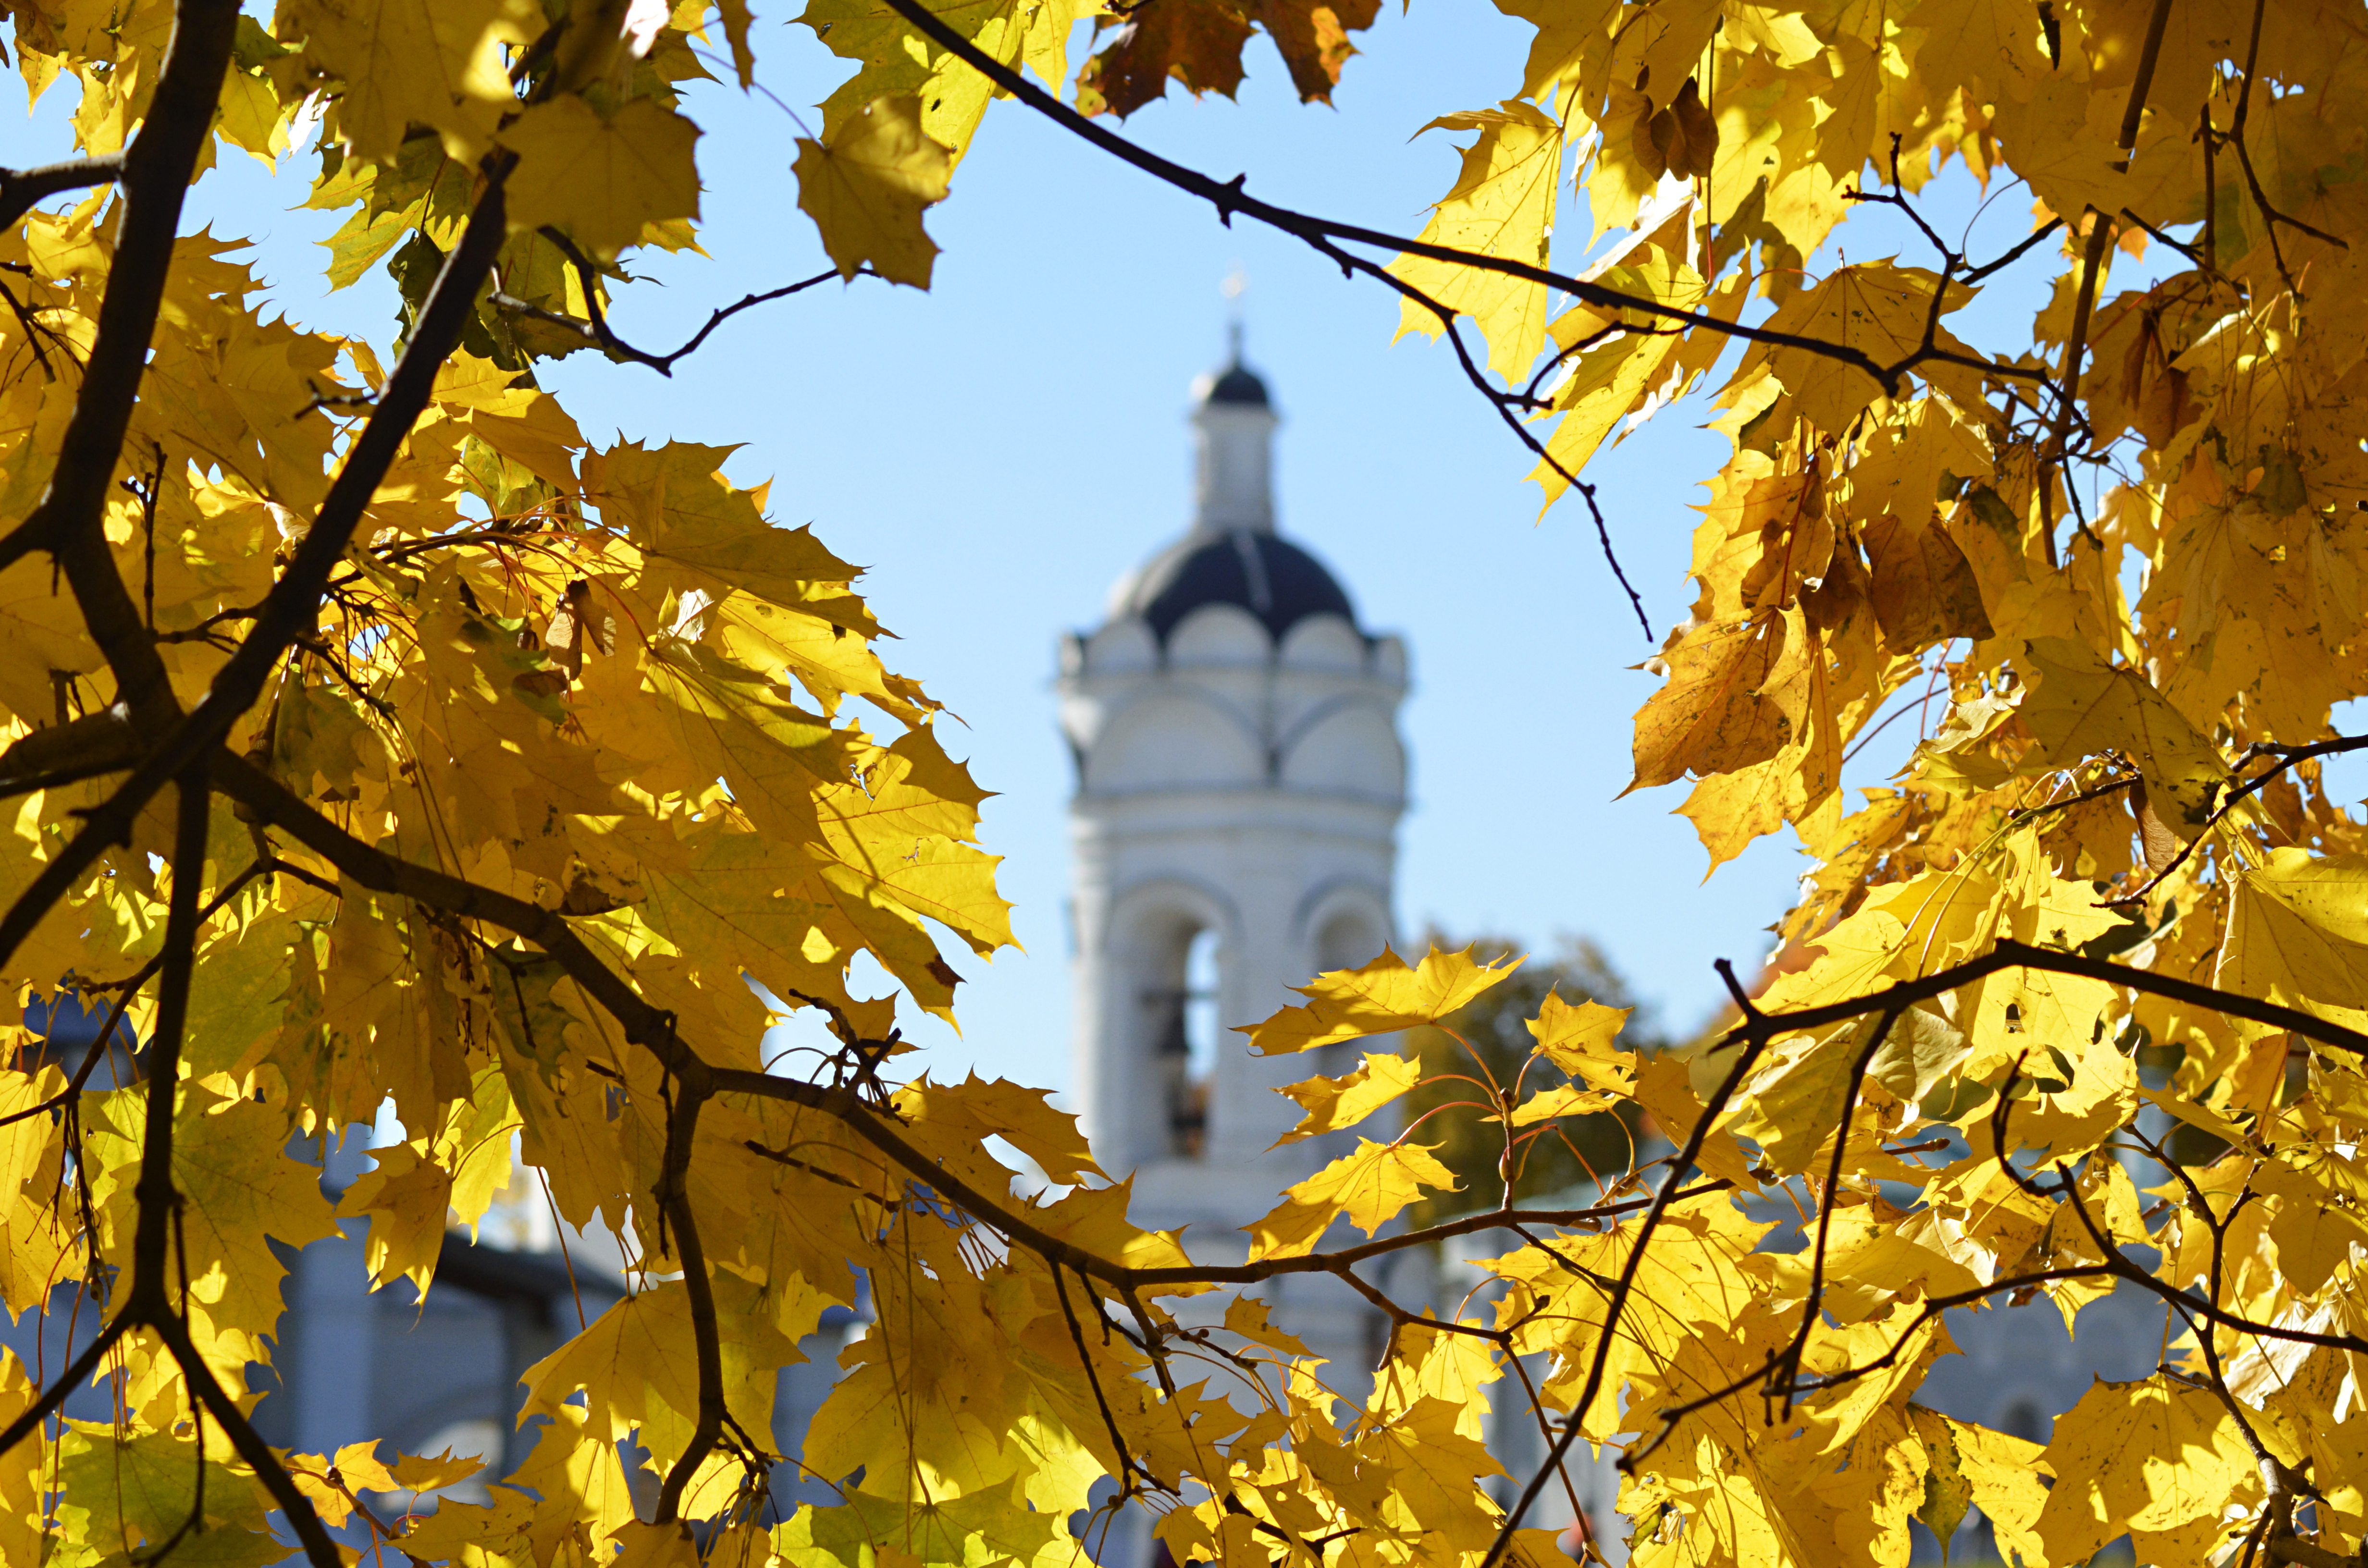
(1184, 1044)
(1347, 941)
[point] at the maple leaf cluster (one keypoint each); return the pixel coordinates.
(380, 750)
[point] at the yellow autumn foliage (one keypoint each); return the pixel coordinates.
(374, 741)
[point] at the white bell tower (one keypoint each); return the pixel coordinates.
(1239, 784)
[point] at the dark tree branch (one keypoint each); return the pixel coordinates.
(130, 988)
(2286, 757)
(1760, 1031)
(2011, 954)
(673, 1195)
(2235, 137)
(32, 330)
(596, 333)
(77, 1373)
(1127, 1466)
(2111, 787)
(694, 1078)
(22, 189)
(1789, 1359)
(291, 608)
(319, 1546)
(2092, 258)
(149, 1303)
(154, 1192)
(1229, 198)
(2067, 396)
(155, 172)
(2021, 249)
(654, 1030)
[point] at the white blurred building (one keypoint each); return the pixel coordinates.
(1239, 781)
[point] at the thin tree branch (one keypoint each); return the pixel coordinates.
(2021, 248)
(149, 1304)
(154, 1193)
(596, 333)
(653, 1029)
(1126, 1463)
(32, 330)
(76, 1374)
(2075, 342)
(1761, 1033)
(139, 977)
(301, 1517)
(1789, 1359)
(1229, 198)
(2101, 233)
(2287, 757)
(2011, 954)
(2270, 216)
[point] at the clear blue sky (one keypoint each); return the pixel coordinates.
(1000, 449)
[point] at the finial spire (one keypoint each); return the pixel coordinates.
(1236, 424)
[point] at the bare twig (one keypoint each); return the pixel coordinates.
(1229, 198)
(2235, 137)
(2286, 757)
(596, 333)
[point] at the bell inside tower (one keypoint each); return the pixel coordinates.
(1184, 1038)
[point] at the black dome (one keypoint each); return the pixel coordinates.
(1271, 578)
(1238, 386)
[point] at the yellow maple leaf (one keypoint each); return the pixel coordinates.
(1877, 308)
(958, 1115)
(1577, 1037)
(435, 63)
(239, 1191)
(2149, 1455)
(2317, 1221)
(633, 1380)
(867, 189)
(1971, 1464)
(2295, 935)
(602, 178)
(1367, 1189)
(143, 1489)
(407, 1198)
(1502, 204)
(1714, 714)
(1334, 1103)
(2080, 706)
(1247, 1316)
(1380, 998)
